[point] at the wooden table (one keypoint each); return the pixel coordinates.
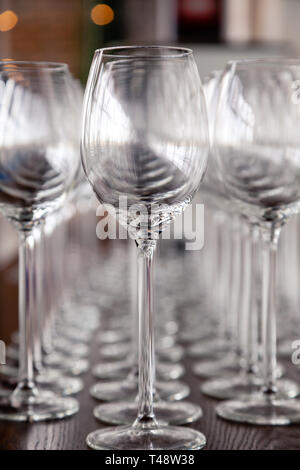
(70, 434)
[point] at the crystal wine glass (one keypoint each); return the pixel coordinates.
(38, 164)
(144, 151)
(257, 147)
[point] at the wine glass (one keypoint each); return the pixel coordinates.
(241, 359)
(257, 148)
(214, 195)
(144, 151)
(38, 163)
(46, 377)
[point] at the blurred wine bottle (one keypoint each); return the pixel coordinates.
(199, 20)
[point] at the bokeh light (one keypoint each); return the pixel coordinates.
(8, 20)
(102, 14)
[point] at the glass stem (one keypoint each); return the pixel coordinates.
(250, 307)
(270, 244)
(252, 338)
(134, 306)
(244, 293)
(47, 343)
(26, 388)
(146, 334)
(38, 296)
(235, 286)
(134, 372)
(225, 258)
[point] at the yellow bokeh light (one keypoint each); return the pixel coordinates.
(8, 20)
(102, 14)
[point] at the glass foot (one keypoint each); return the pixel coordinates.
(224, 367)
(74, 350)
(172, 354)
(261, 410)
(50, 378)
(126, 390)
(190, 335)
(243, 386)
(112, 370)
(115, 351)
(45, 406)
(169, 327)
(166, 352)
(165, 342)
(59, 383)
(285, 349)
(131, 438)
(168, 371)
(66, 364)
(113, 336)
(208, 348)
(119, 370)
(216, 368)
(123, 412)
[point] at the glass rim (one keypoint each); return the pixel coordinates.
(34, 65)
(116, 51)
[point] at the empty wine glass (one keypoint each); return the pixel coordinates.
(144, 151)
(38, 163)
(241, 359)
(257, 147)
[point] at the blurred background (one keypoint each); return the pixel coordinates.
(70, 30)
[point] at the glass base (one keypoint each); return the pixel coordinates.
(131, 438)
(120, 369)
(171, 354)
(224, 367)
(45, 406)
(164, 342)
(66, 350)
(169, 327)
(167, 371)
(112, 370)
(66, 364)
(115, 351)
(164, 351)
(213, 348)
(261, 410)
(73, 333)
(126, 390)
(74, 350)
(123, 412)
(245, 386)
(190, 334)
(216, 368)
(58, 383)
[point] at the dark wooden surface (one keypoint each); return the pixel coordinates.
(70, 433)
